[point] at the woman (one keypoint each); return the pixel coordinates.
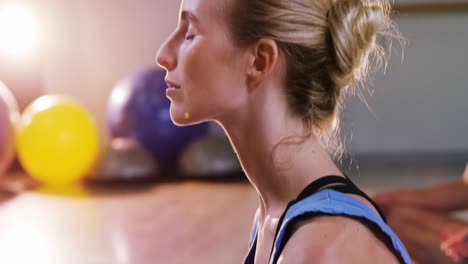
(272, 73)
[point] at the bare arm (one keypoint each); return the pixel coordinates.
(444, 197)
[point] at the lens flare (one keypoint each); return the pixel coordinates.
(18, 31)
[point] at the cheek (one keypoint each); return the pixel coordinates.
(194, 66)
(212, 78)
(202, 68)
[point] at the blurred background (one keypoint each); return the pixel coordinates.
(411, 129)
(83, 48)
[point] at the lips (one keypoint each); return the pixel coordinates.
(171, 84)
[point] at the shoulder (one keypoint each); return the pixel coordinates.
(334, 239)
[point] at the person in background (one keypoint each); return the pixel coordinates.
(422, 217)
(273, 74)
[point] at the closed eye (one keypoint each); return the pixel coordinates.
(189, 36)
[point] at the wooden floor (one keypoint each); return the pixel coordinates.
(179, 222)
(185, 222)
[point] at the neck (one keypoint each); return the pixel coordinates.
(276, 156)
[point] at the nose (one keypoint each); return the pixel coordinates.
(166, 55)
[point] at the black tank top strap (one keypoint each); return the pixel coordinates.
(320, 184)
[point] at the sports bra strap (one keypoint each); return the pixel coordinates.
(345, 186)
(356, 191)
(333, 182)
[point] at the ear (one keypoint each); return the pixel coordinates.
(263, 60)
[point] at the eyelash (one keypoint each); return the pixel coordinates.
(189, 37)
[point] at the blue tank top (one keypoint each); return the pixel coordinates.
(332, 203)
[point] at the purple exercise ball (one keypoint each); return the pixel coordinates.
(138, 108)
(9, 115)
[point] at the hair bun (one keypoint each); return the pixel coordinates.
(354, 25)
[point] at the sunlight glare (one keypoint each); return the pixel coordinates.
(18, 31)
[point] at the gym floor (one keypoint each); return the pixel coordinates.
(179, 222)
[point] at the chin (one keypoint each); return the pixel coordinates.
(181, 117)
(179, 120)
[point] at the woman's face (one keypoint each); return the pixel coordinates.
(205, 69)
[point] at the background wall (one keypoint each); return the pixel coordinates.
(97, 43)
(418, 106)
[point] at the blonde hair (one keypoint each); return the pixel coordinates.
(328, 45)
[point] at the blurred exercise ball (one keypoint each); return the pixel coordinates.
(138, 108)
(57, 140)
(210, 157)
(125, 159)
(9, 115)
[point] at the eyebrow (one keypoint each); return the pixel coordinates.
(187, 15)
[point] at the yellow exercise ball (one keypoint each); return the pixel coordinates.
(57, 140)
